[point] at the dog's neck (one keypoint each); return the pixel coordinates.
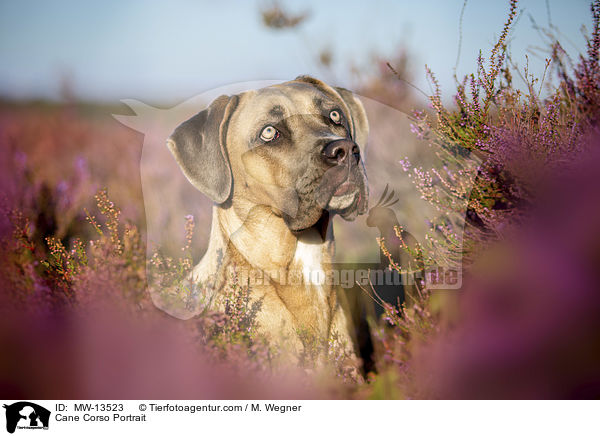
(252, 236)
(263, 245)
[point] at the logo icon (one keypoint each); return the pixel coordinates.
(26, 415)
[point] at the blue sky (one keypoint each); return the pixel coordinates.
(170, 51)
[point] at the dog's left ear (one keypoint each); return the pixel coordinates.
(358, 117)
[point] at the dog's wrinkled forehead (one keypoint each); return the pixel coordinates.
(286, 100)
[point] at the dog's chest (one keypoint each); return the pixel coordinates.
(314, 294)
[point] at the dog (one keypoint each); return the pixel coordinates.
(279, 163)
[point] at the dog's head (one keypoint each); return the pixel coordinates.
(293, 147)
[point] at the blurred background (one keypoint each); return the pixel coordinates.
(87, 93)
(66, 67)
(158, 52)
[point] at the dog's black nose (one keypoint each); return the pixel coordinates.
(337, 152)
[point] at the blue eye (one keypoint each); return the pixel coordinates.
(269, 133)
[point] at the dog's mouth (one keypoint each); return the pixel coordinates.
(343, 197)
(342, 191)
(339, 191)
(343, 202)
(347, 200)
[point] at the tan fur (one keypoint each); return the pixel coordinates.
(249, 232)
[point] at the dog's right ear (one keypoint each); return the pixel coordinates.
(198, 145)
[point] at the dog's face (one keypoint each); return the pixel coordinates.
(294, 147)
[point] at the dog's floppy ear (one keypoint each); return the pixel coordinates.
(198, 145)
(358, 116)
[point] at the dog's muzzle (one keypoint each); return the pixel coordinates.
(343, 158)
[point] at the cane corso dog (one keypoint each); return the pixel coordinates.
(279, 163)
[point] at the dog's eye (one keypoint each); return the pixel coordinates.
(269, 133)
(335, 117)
